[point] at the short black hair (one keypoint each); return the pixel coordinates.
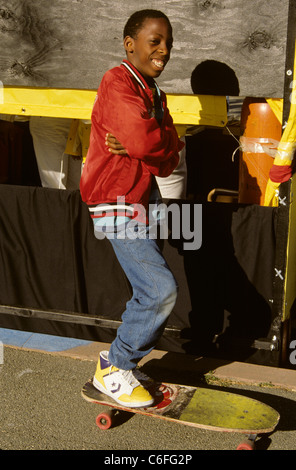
(136, 20)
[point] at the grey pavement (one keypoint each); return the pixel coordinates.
(42, 409)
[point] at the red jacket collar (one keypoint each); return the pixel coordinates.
(136, 74)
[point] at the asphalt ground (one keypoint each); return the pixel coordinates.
(42, 408)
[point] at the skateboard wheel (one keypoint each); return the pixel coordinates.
(246, 445)
(104, 420)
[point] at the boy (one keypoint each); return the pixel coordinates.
(132, 141)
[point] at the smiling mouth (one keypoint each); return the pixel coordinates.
(159, 64)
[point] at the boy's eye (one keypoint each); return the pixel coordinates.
(157, 42)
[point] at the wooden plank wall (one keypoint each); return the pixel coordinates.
(71, 43)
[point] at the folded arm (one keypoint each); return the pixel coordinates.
(133, 131)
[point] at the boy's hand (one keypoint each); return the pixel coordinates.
(114, 146)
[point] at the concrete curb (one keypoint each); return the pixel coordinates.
(238, 372)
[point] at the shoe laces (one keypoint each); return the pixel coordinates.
(128, 378)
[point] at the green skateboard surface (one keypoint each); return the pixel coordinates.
(229, 411)
(200, 407)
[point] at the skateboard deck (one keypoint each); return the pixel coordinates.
(200, 407)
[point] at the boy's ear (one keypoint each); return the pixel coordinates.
(129, 44)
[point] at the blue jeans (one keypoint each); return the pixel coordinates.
(154, 296)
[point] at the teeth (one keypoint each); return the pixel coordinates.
(158, 63)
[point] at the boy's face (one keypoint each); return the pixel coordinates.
(150, 51)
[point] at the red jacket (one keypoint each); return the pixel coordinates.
(123, 107)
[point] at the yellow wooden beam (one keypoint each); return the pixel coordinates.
(186, 110)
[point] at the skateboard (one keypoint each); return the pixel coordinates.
(203, 408)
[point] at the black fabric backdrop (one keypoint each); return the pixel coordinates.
(50, 260)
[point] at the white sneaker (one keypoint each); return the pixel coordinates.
(121, 385)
